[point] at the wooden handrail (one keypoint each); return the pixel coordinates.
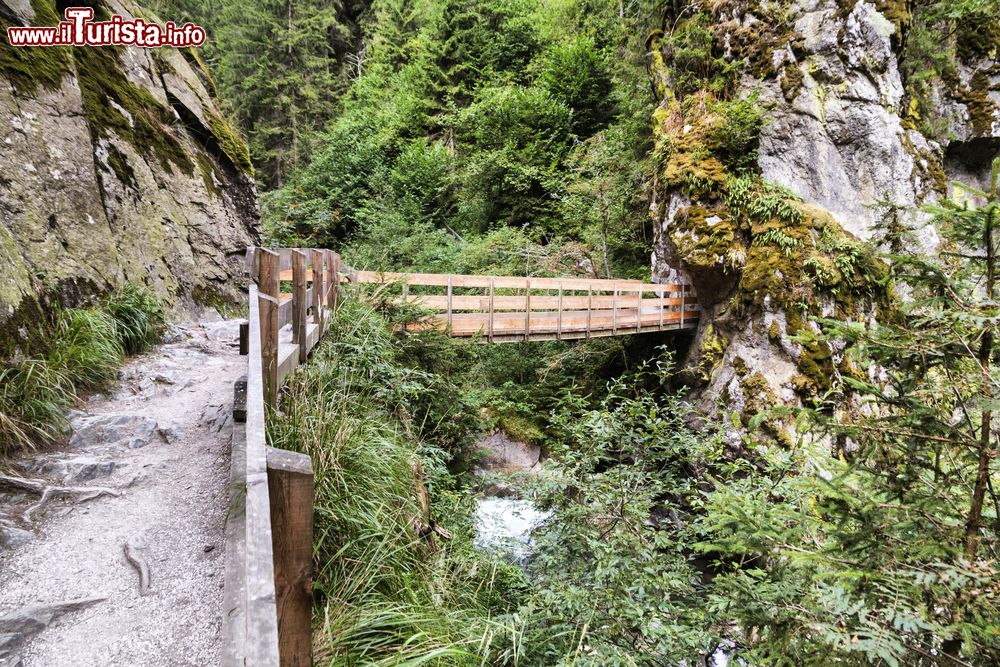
(269, 537)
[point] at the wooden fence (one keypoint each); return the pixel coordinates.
(268, 582)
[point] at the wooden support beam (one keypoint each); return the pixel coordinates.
(291, 485)
(318, 287)
(527, 309)
(449, 305)
(299, 302)
(559, 333)
(257, 576)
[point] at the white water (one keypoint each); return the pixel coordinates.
(504, 525)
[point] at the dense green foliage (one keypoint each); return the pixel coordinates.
(82, 354)
(512, 129)
(387, 594)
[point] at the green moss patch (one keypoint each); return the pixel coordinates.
(115, 105)
(28, 68)
(230, 142)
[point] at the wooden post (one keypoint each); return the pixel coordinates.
(559, 320)
(683, 289)
(590, 299)
(334, 279)
(638, 313)
(299, 302)
(449, 305)
(527, 309)
(316, 257)
(490, 325)
(663, 296)
(614, 311)
(268, 307)
(269, 284)
(406, 289)
(291, 485)
(244, 338)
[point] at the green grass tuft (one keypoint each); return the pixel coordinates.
(84, 351)
(139, 315)
(87, 348)
(33, 399)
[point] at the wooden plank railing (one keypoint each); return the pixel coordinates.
(267, 591)
(499, 309)
(269, 536)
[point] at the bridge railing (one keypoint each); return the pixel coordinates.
(291, 298)
(267, 617)
(509, 308)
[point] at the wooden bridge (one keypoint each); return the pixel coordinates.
(268, 580)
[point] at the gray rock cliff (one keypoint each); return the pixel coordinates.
(116, 166)
(844, 133)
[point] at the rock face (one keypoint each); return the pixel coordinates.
(116, 166)
(844, 134)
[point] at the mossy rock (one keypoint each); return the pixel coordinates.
(711, 352)
(113, 104)
(28, 68)
(230, 142)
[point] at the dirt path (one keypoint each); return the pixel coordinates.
(162, 444)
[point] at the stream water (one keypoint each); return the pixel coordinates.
(504, 525)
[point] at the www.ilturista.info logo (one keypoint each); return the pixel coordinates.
(80, 30)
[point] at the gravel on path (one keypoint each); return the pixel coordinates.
(162, 442)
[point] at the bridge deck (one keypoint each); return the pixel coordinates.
(501, 309)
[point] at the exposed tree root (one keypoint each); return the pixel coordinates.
(78, 494)
(136, 560)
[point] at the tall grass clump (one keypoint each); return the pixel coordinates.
(84, 350)
(139, 315)
(386, 596)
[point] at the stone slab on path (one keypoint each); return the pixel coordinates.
(162, 443)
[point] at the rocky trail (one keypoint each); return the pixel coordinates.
(111, 548)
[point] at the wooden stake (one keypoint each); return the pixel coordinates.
(683, 290)
(490, 325)
(299, 304)
(590, 302)
(449, 305)
(269, 284)
(318, 283)
(291, 487)
(559, 325)
(614, 311)
(662, 298)
(527, 310)
(268, 308)
(638, 313)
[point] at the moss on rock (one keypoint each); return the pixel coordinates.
(230, 142)
(711, 352)
(113, 104)
(27, 68)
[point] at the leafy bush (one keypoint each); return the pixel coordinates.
(387, 598)
(577, 73)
